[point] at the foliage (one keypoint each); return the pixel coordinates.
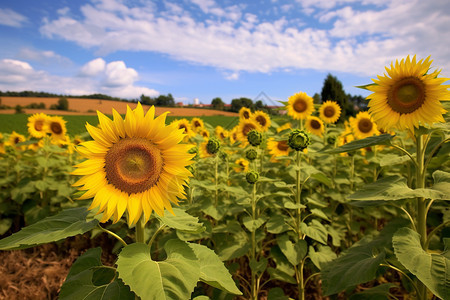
(217, 103)
(238, 103)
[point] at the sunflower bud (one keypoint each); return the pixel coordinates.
(251, 154)
(213, 146)
(254, 138)
(298, 140)
(331, 139)
(252, 177)
(194, 150)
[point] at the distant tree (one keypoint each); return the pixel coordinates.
(63, 103)
(317, 99)
(332, 90)
(19, 109)
(217, 103)
(357, 102)
(163, 100)
(147, 100)
(237, 104)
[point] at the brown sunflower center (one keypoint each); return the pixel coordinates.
(261, 120)
(133, 165)
(197, 124)
(38, 125)
(247, 128)
(406, 95)
(16, 140)
(246, 114)
(329, 111)
(315, 124)
(205, 134)
(182, 126)
(300, 105)
(282, 146)
(56, 128)
(365, 125)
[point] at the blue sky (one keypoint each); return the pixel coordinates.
(207, 48)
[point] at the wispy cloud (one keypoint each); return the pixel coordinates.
(358, 39)
(9, 17)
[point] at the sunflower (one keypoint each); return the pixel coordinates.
(244, 127)
(278, 148)
(221, 133)
(186, 126)
(284, 127)
(204, 133)
(263, 119)
(136, 165)
(315, 125)
(300, 106)
(245, 113)
(2, 144)
(408, 95)
(37, 145)
(203, 151)
(14, 139)
(233, 135)
(37, 125)
(363, 125)
(57, 127)
(330, 112)
(241, 165)
(197, 124)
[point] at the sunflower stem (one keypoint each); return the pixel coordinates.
(140, 230)
(216, 179)
(254, 288)
(298, 194)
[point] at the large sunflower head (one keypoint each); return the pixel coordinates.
(300, 106)
(330, 112)
(245, 113)
(197, 124)
(135, 165)
(37, 125)
(408, 95)
(363, 126)
(244, 127)
(315, 125)
(263, 119)
(57, 127)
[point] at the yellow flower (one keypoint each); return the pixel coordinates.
(35, 146)
(241, 165)
(233, 135)
(408, 95)
(57, 127)
(363, 125)
(284, 127)
(278, 148)
(300, 106)
(221, 133)
(330, 112)
(197, 124)
(202, 151)
(245, 113)
(136, 165)
(186, 126)
(315, 125)
(244, 127)
(37, 125)
(204, 133)
(263, 119)
(16, 138)
(2, 144)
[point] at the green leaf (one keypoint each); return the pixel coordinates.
(323, 256)
(382, 139)
(173, 278)
(393, 188)
(253, 225)
(442, 184)
(67, 223)
(276, 224)
(393, 159)
(315, 230)
(276, 294)
(359, 263)
(432, 269)
(379, 292)
(319, 213)
(293, 252)
(181, 221)
(89, 279)
(5, 224)
(212, 269)
(276, 274)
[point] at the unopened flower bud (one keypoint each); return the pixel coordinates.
(194, 150)
(252, 177)
(299, 140)
(251, 154)
(213, 146)
(254, 138)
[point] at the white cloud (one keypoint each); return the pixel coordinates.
(350, 39)
(93, 68)
(114, 79)
(45, 57)
(9, 17)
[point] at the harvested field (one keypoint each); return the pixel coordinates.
(80, 106)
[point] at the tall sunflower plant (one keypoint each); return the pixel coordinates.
(135, 171)
(408, 100)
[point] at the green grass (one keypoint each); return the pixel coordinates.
(75, 124)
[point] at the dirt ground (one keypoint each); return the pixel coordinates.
(79, 106)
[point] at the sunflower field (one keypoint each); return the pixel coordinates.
(299, 205)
